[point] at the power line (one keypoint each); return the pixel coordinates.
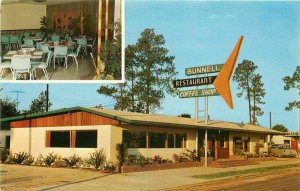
(17, 92)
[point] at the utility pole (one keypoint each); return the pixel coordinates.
(121, 91)
(270, 120)
(47, 98)
(17, 92)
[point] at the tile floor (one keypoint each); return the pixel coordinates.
(85, 71)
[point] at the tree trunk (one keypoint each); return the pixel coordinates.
(249, 101)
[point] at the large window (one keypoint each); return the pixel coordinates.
(180, 140)
(157, 140)
(72, 139)
(134, 139)
(86, 139)
(60, 139)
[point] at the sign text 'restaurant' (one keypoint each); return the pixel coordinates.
(194, 81)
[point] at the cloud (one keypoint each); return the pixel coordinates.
(216, 16)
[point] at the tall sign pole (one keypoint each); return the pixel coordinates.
(221, 84)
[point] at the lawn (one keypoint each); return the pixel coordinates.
(248, 171)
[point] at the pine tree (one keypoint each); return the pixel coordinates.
(148, 70)
(39, 104)
(293, 82)
(250, 84)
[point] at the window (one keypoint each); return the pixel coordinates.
(135, 139)
(86, 139)
(60, 139)
(157, 140)
(74, 139)
(180, 140)
(171, 139)
(224, 141)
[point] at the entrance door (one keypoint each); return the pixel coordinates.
(213, 147)
(7, 142)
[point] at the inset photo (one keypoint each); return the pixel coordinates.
(61, 41)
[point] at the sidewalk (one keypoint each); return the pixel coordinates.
(157, 180)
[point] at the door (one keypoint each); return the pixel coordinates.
(7, 142)
(213, 147)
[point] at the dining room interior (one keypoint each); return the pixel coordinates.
(61, 40)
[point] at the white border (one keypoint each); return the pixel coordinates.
(84, 81)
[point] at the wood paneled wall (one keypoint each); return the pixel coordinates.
(68, 119)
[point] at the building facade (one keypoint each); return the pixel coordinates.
(81, 130)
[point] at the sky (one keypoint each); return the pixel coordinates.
(202, 33)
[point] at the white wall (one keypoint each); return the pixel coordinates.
(279, 139)
(254, 138)
(21, 16)
(36, 145)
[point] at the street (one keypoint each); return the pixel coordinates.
(280, 181)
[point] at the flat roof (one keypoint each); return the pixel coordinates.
(154, 120)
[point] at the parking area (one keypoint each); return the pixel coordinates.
(17, 177)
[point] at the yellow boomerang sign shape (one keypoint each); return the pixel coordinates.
(222, 82)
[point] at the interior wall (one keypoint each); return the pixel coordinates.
(21, 16)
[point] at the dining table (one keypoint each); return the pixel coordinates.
(52, 45)
(36, 54)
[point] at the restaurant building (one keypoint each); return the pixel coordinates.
(81, 130)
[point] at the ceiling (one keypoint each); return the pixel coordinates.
(45, 2)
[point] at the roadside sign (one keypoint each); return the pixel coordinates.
(203, 69)
(198, 93)
(194, 81)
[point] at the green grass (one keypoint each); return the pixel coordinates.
(248, 171)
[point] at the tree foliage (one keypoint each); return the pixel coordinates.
(280, 127)
(293, 82)
(148, 72)
(39, 104)
(185, 115)
(8, 108)
(250, 85)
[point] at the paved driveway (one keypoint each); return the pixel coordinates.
(15, 177)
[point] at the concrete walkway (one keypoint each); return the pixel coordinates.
(156, 180)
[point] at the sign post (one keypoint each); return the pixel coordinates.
(221, 84)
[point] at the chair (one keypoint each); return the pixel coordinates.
(5, 41)
(21, 65)
(55, 38)
(42, 65)
(26, 34)
(28, 42)
(3, 66)
(61, 53)
(83, 43)
(14, 42)
(92, 45)
(74, 56)
(38, 34)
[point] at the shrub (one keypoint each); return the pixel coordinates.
(122, 153)
(191, 155)
(109, 167)
(20, 157)
(180, 158)
(137, 160)
(59, 162)
(4, 155)
(156, 159)
(39, 160)
(29, 161)
(96, 159)
(49, 159)
(72, 161)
